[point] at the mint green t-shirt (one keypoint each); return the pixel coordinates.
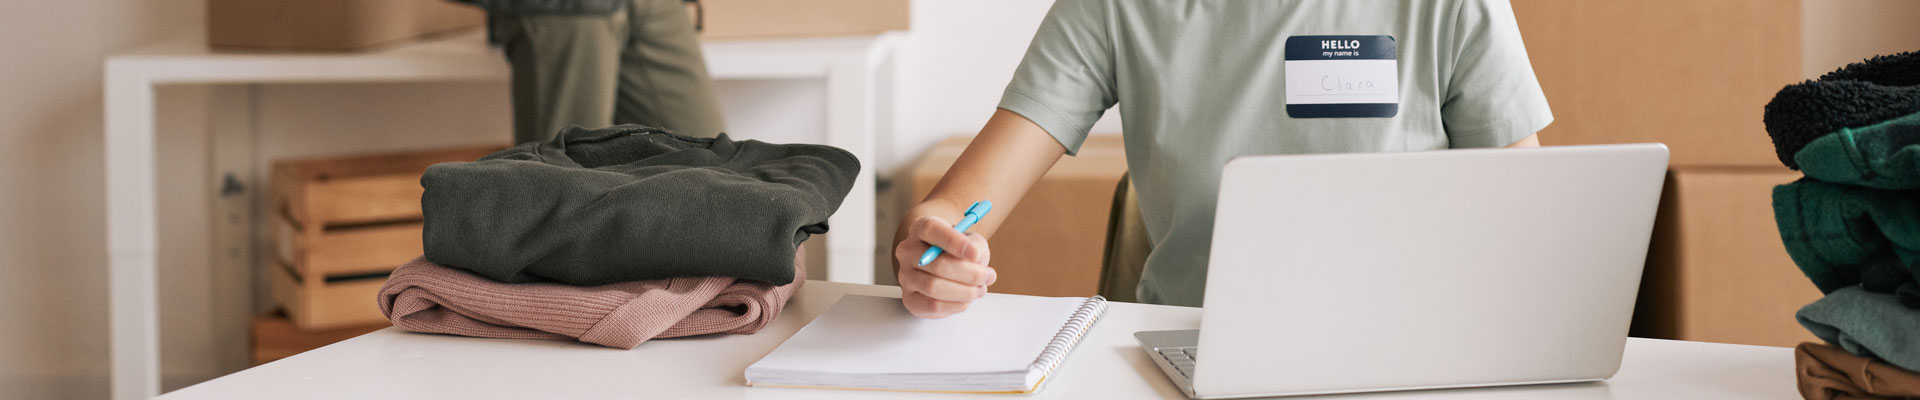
(1199, 82)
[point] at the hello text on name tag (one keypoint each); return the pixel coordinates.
(1342, 77)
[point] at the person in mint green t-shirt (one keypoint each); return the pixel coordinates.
(1200, 82)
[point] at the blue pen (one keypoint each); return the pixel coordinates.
(974, 213)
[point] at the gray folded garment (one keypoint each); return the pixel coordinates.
(630, 203)
(1867, 324)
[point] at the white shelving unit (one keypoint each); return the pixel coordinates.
(850, 67)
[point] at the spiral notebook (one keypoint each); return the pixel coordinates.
(1001, 344)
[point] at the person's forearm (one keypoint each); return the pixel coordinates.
(1008, 157)
(1529, 141)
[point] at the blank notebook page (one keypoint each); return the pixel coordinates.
(876, 335)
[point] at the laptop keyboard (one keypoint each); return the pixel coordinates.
(1182, 359)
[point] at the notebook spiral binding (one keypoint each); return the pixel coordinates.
(1069, 335)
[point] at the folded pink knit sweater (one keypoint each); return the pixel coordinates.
(425, 297)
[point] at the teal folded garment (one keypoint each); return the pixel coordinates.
(1884, 155)
(1873, 325)
(1843, 235)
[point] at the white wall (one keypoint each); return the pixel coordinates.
(52, 299)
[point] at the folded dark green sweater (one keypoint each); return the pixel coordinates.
(630, 203)
(1842, 235)
(1884, 155)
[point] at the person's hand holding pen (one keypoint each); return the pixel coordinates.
(941, 268)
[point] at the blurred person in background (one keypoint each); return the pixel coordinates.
(596, 63)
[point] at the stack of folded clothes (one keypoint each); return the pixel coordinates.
(1852, 224)
(615, 236)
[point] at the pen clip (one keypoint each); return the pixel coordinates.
(979, 208)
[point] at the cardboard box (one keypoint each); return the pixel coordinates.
(1692, 74)
(332, 25)
(1837, 33)
(1717, 271)
(1055, 240)
(742, 19)
(275, 337)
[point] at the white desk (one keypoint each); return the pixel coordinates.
(850, 66)
(1107, 365)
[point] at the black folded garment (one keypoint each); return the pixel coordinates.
(1858, 95)
(630, 203)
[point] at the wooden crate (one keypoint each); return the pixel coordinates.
(343, 191)
(340, 225)
(320, 304)
(275, 337)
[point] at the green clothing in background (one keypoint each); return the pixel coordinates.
(1884, 155)
(1873, 325)
(1855, 220)
(1199, 82)
(638, 65)
(1844, 235)
(632, 203)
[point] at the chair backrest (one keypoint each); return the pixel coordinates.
(1127, 245)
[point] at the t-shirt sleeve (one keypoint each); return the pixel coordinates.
(1066, 81)
(1493, 98)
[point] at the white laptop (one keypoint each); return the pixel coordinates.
(1346, 273)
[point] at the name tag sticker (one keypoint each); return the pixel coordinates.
(1342, 77)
